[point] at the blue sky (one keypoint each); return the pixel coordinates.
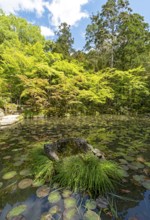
(48, 14)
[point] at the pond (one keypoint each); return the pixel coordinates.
(125, 140)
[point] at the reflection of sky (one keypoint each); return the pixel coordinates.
(142, 210)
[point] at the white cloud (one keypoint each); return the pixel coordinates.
(68, 11)
(46, 32)
(13, 6)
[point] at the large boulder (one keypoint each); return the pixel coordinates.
(69, 146)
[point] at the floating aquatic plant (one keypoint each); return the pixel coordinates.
(54, 197)
(70, 203)
(69, 214)
(16, 211)
(90, 215)
(43, 191)
(25, 183)
(90, 204)
(9, 175)
(66, 193)
(1, 184)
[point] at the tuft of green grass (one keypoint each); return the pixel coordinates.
(88, 173)
(82, 172)
(41, 167)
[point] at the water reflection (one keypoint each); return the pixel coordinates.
(116, 136)
(141, 211)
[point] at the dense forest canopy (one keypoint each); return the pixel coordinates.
(110, 75)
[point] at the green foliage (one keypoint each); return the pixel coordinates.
(64, 40)
(118, 37)
(41, 167)
(88, 173)
(45, 82)
(95, 176)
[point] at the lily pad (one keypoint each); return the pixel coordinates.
(16, 211)
(9, 175)
(129, 158)
(18, 163)
(25, 172)
(43, 191)
(46, 216)
(90, 215)
(53, 210)
(66, 193)
(25, 183)
(124, 173)
(54, 197)
(124, 167)
(6, 157)
(133, 167)
(90, 204)
(69, 202)
(139, 178)
(1, 184)
(138, 165)
(69, 213)
(146, 184)
(123, 161)
(102, 202)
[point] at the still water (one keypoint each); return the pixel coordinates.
(125, 140)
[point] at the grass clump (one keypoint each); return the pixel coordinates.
(41, 167)
(82, 172)
(88, 173)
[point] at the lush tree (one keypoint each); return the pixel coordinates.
(133, 41)
(102, 32)
(64, 40)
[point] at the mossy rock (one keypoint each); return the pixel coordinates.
(66, 193)
(69, 214)
(43, 191)
(16, 211)
(90, 204)
(9, 175)
(54, 197)
(25, 183)
(90, 215)
(70, 202)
